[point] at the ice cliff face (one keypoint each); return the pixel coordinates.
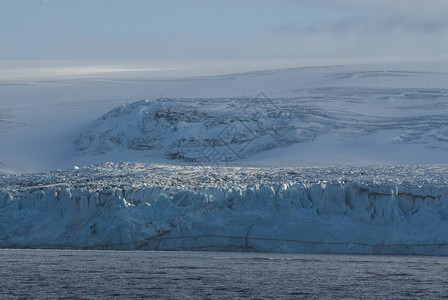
(381, 210)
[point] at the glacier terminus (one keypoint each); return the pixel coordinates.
(134, 206)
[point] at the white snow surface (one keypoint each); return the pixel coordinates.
(366, 114)
(375, 209)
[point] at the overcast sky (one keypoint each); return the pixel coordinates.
(137, 29)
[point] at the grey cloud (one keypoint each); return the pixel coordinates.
(377, 17)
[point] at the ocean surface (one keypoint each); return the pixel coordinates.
(63, 274)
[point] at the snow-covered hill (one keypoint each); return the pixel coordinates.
(204, 130)
(382, 210)
(385, 113)
(229, 129)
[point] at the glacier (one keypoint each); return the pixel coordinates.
(390, 115)
(136, 206)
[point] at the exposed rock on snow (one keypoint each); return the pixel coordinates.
(396, 210)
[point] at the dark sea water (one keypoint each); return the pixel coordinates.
(46, 274)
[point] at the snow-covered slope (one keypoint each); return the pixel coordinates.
(384, 113)
(229, 129)
(204, 130)
(393, 210)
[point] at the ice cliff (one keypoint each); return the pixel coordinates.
(379, 210)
